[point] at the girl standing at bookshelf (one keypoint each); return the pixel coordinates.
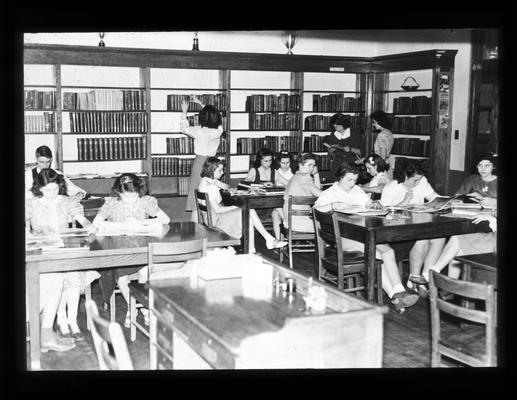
(482, 187)
(410, 186)
(344, 144)
(377, 168)
(384, 140)
(130, 205)
(206, 141)
(344, 190)
(48, 211)
(228, 219)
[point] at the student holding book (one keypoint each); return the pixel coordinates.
(128, 204)
(228, 219)
(344, 144)
(206, 141)
(48, 212)
(482, 187)
(345, 191)
(409, 187)
(44, 160)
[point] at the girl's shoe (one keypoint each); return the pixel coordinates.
(76, 332)
(63, 330)
(127, 320)
(418, 284)
(402, 300)
(51, 341)
(275, 244)
(145, 313)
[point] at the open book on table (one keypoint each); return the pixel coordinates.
(107, 228)
(358, 210)
(439, 203)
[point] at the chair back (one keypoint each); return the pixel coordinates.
(487, 317)
(204, 210)
(108, 340)
(166, 256)
(328, 234)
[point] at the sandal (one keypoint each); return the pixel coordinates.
(275, 244)
(418, 279)
(418, 284)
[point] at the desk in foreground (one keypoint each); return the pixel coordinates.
(243, 322)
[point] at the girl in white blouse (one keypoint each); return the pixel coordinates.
(410, 186)
(376, 167)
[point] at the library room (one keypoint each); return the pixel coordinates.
(165, 227)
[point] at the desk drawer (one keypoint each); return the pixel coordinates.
(209, 348)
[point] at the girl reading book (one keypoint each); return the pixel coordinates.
(482, 187)
(376, 167)
(49, 211)
(128, 205)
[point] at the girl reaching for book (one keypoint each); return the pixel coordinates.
(206, 137)
(128, 204)
(49, 211)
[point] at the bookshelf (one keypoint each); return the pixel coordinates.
(276, 93)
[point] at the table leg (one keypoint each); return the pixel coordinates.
(152, 333)
(245, 227)
(32, 287)
(369, 252)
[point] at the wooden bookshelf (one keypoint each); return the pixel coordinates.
(369, 77)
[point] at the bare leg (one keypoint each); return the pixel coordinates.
(278, 216)
(455, 269)
(257, 224)
(72, 295)
(52, 284)
(450, 251)
(391, 282)
(417, 256)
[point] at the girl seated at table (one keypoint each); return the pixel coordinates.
(228, 219)
(346, 192)
(410, 186)
(376, 167)
(49, 212)
(130, 205)
(482, 187)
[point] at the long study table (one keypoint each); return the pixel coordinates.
(103, 252)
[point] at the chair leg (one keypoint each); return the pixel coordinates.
(88, 296)
(113, 307)
(132, 314)
(378, 270)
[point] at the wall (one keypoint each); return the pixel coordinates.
(329, 42)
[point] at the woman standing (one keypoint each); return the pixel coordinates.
(384, 140)
(206, 137)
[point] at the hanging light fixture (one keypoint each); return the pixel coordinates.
(289, 39)
(195, 44)
(101, 35)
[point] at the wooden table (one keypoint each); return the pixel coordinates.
(104, 252)
(242, 322)
(250, 201)
(375, 230)
(479, 268)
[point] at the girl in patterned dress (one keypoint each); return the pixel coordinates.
(47, 212)
(128, 204)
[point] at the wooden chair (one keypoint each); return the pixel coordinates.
(475, 344)
(162, 256)
(297, 242)
(336, 265)
(108, 340)
(204, 211)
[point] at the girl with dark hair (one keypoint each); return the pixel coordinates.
(482, 187)
(344, 144)
(410, 186)
(262, 171)
(49, 211)
(206, 141)
(384, 140)
(128, 204)
(376, 167)
(346, 192)
(228, 219)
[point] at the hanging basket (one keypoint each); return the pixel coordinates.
(411, 86)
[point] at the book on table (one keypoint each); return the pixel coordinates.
(439, 203)
(262, 188)
(358, 210)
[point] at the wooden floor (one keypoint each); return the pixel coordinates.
(406, 336)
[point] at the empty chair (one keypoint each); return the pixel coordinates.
(474, 343)
(204, 211)
(162, 256)
(345, 268)
(108, 340)
(297, 242)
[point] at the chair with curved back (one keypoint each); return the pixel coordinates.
(108, 340)
(336, 265)
(473, 341)
(204, 211)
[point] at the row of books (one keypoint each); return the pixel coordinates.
(183, 184)
(217, 100)
(112, 148)
(193, 120)
(40, 123)
(412, 105)
(420, 124)
(183, 145)
(323, 163)
(272, 102)
(274, 143)
(337, 102)
(313, 143)
(167, 166)
(105, 99)
(39, 99)
(108, 122)
(322, 123)
(411, 147)
(273, 121)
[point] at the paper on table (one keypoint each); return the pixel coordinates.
(123, 228)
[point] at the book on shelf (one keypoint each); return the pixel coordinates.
(35, 99)
(218, 100)
(322, 122)
(337, 102)
(272, 102)
(105, 99)
(112, 148)
(412, 105)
